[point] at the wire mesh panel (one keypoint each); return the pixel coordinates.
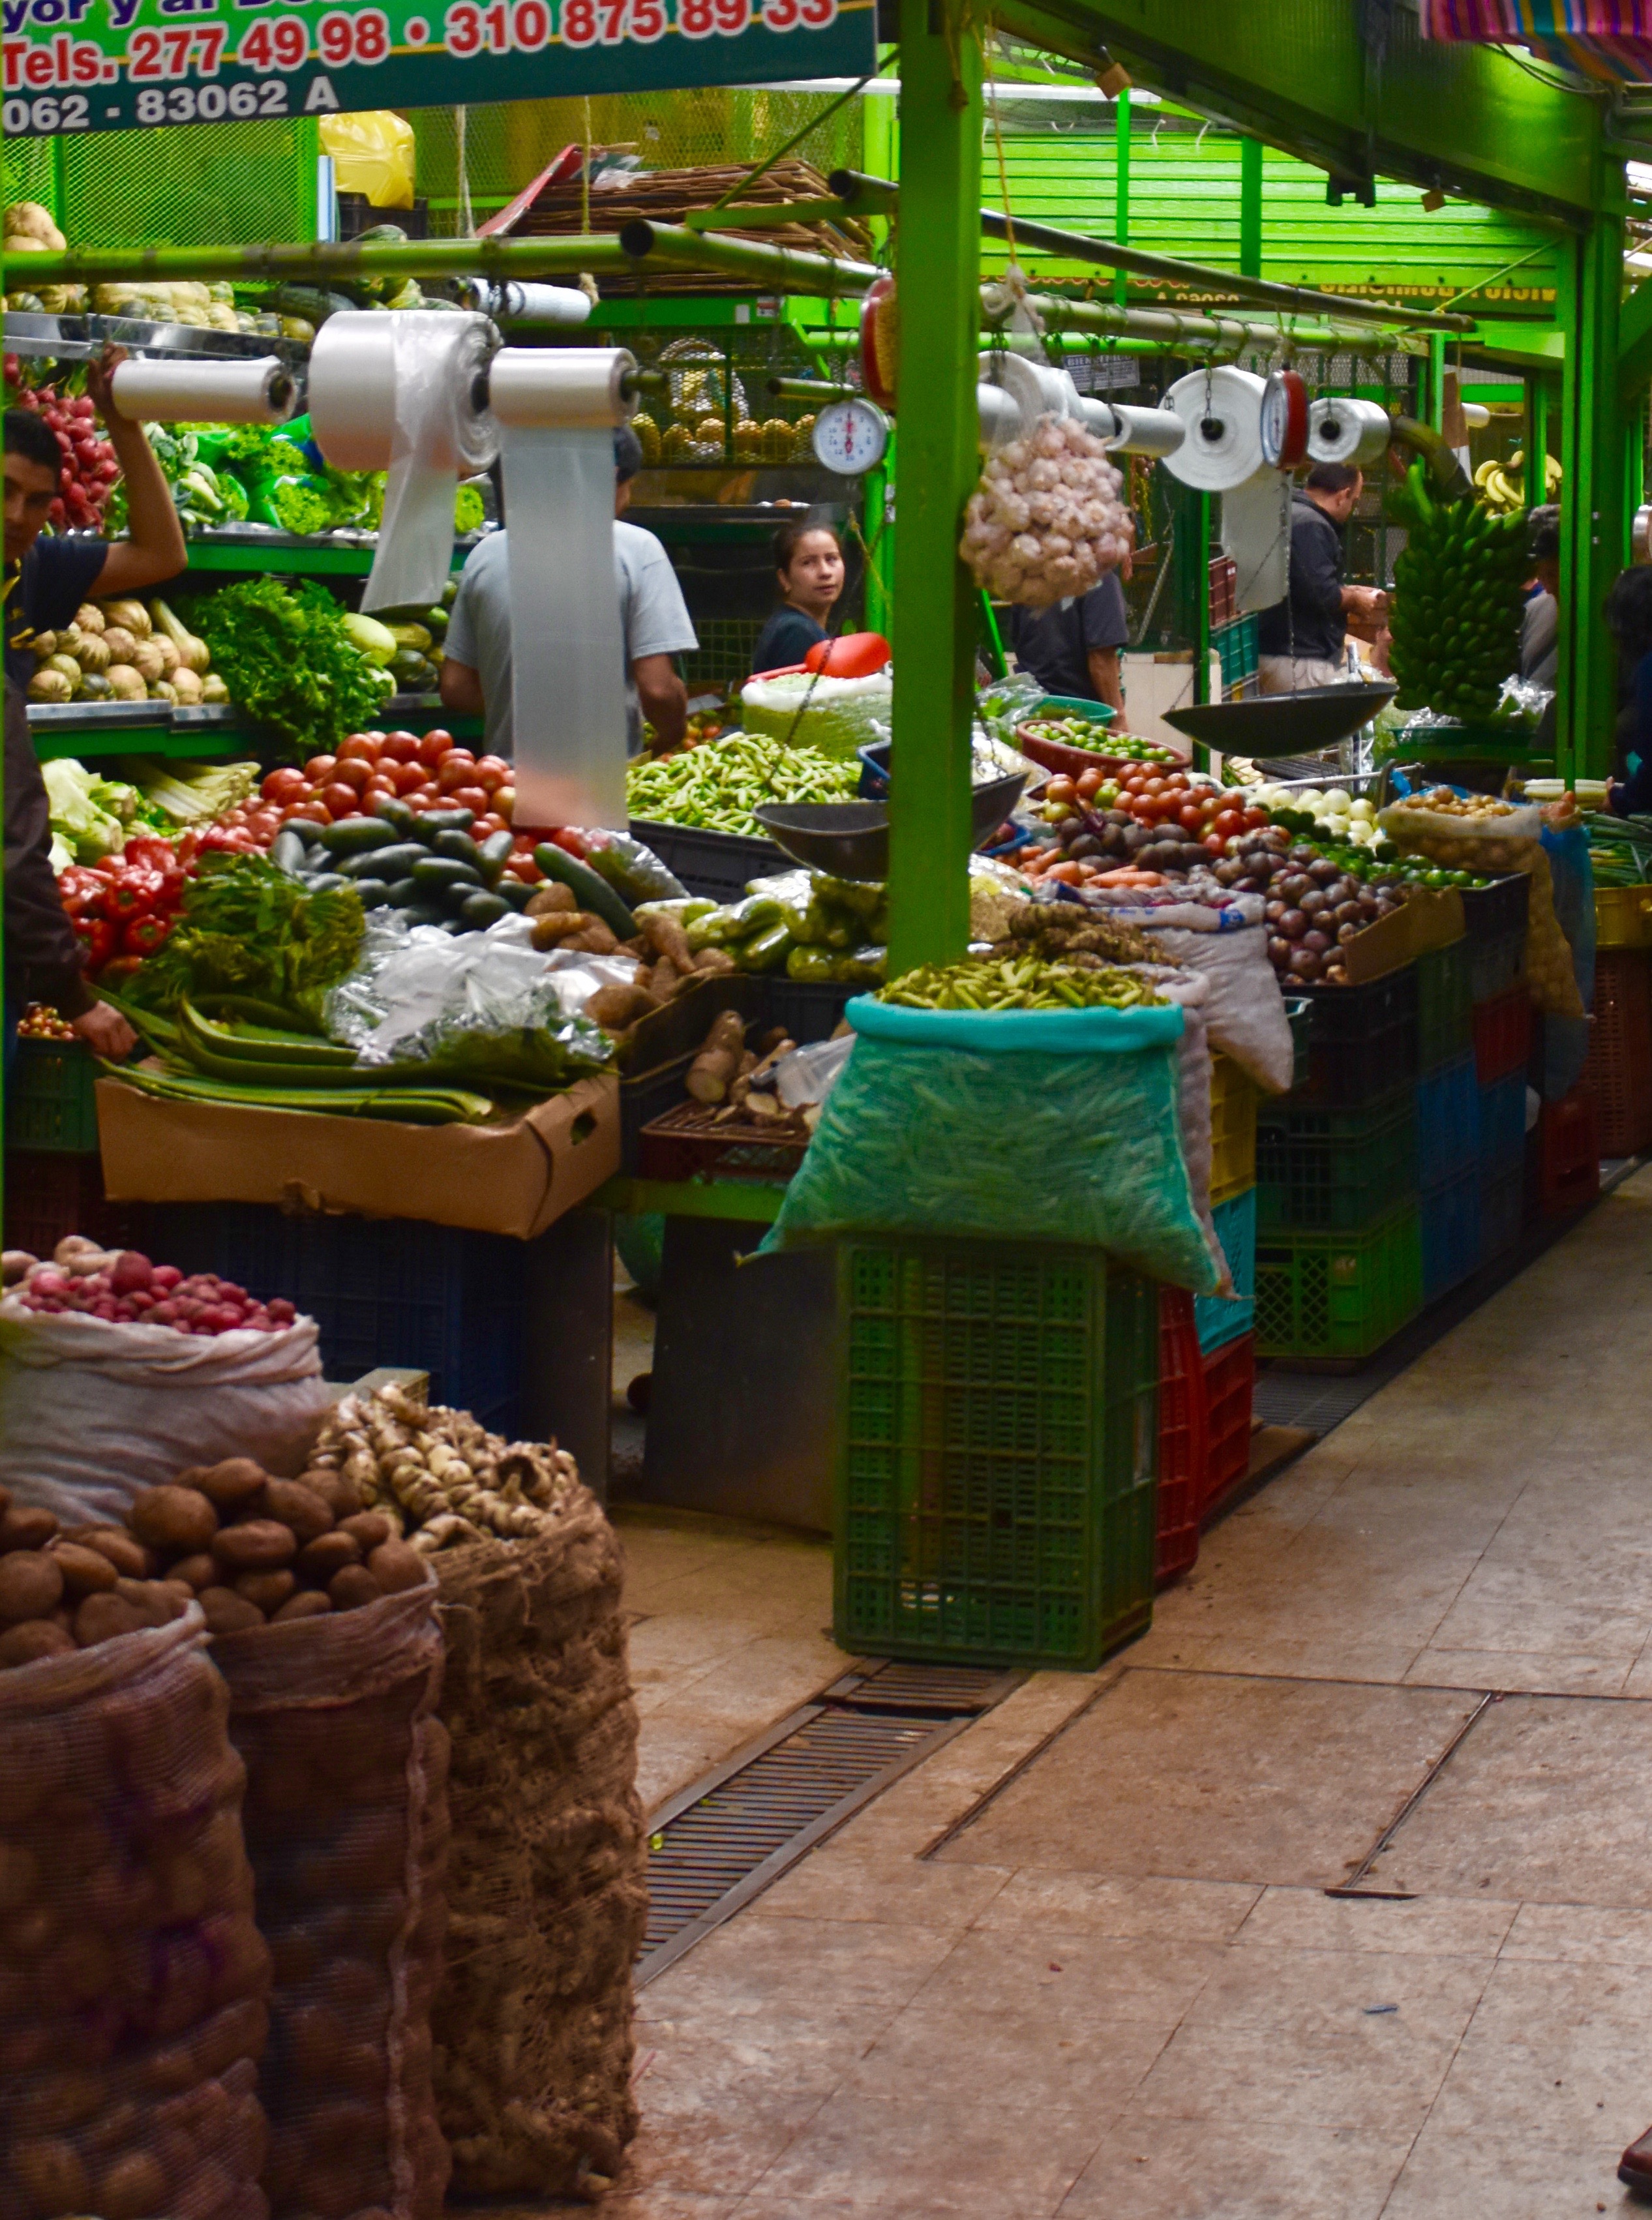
(191, 184)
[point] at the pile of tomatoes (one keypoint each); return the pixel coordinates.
(1212, 815)
(432, 772)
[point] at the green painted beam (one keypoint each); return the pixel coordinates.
(1594, 529)
(318, 264)
(1250, 202)
(1634, 341)
(937, 248)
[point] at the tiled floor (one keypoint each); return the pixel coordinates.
(1117, 1990)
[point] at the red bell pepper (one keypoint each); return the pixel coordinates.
(133, 893)
(144, 935)
(79, 887)
(100, 939)
(172, 884)
(151, 852)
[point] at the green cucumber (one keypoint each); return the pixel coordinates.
(404, 892)
(324, 881)
(445, 820)
(353, 836)
(395, 811)
(423, 913)
(375, 892)
(514, 892)
(484, 909)
(458, 844)
(287, 851)
(435, 872)
(392, 863)
(495, 854)
(591, 891)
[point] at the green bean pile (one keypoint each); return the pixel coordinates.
(717, 785)
(1017, 982)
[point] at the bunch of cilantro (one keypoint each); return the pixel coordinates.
(288, 661)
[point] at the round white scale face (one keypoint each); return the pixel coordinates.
(851, 437)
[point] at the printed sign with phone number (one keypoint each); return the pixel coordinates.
(104, 66)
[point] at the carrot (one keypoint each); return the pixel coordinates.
(1069, 874)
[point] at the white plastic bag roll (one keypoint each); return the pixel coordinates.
(392, 390)
(1342, 430)
(1256, 533)
(158, 390)
(1157, 432)
(557, 409)
(1221, 410)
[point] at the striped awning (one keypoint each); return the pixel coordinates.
(1608, 40)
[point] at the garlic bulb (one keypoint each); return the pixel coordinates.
(1046, 521)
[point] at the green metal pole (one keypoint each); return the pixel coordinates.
(1250, 208)
(877, 524)
(1594, 525)
(1435, 414)
(1536, 488)
(937, 257)
(1121, 191)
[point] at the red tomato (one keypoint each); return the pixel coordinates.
(458, 769)
(1191, 815)
(352, 772)
(402, 747)
(1155, 784)
(523, 867)
(304, 813)
(406, 777)
(1087, 785)
(1228, 822)
(1255, 819)
(433, 746)
(319, 769)
(361, 747)
(493, 772)
(566, 838)
(469, 798)
(378, 789)
(340, 800)
(486, 826)
(284, 786)
(263, 824)
(1215, 843)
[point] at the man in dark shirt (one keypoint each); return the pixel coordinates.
(1072, 648)
(1299, 640)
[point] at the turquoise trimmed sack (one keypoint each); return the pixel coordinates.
(1022, 1125)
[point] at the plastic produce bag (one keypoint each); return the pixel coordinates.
(1191, 993)
(634, 871)
(1028, 1125)
(346, 1827)
(836, 715)
(92, 1410)
(134, 1980)
(373, 153)
(548, 1894)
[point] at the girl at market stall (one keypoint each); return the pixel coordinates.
(809, 562)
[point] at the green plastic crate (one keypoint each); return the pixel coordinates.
(1338, 1295)
(996, 1497)
(1328, 1171)
(1445, 1004)
(50, 1103)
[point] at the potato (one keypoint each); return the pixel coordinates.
(31, 1639)
(269, 1591)
(235, 1480)
(24, 1526)
(51, 2175)
(19, 1876)
(310, 1603)
(30, 1584)
(131, 2189)
(176, 1520)
(123, 1551)
(329, 1554)
(546, 901)
(200, 1571)
(292, 1504)
(227, 1612)
(369, 1528)
(102, 1618)
(151, 1599)
(85, 1572)
(355, 1587)
(396, 1566)
(257, 1545)
(341, 1496)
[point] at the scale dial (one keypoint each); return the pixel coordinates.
(851, 437)
(1284, 421)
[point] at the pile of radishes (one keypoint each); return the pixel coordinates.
(89, 469)
(1046, 521)
(123, 1286)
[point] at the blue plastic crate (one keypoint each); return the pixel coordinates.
(1447, 1121)
(1219, 1318)
(1449, 1214)
(383, 1291)
(1502, 1126)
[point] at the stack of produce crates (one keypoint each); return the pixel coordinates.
(1181, 1437)
(1618, 1073)
(1338, 1243)
(53, 1176)
(1446, 1103)
(1502, 1027)
(997, 1483)
(1224, 1325)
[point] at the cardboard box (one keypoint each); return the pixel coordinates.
(1432, 917)
(516, 1178)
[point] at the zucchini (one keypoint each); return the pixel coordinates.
(495, 854)
(435, 872)
(287, 851)
(482, 910)
(353, 836)
(375, 892)
(392, 863)
(591, 891)
(458, 844)
(445, 820)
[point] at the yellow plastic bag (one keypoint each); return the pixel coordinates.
(372, 153)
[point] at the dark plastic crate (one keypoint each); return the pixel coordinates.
(995, 1497)
(1229, 1386)
(1495, 964)
(1569, 1154)
(1337, 1296)
(1220, 1318)
(1502, 1035)
(810, 1010)
(1445, 1010)
(1450, 1217)
(717, 865)
(675, 1037)
(382, 1291)
(681, 1144)
(1619, 1071)
(1501, 908)
(1356, 1044)
(1447, 1121)
(49, 1098)
(1333, 1170)
(1181, 1437)
(51, 1193)
(1502, 1125)
(1502, 1213)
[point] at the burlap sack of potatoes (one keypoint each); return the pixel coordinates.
(547, 1891)
(134, 1982)
(347, 1827)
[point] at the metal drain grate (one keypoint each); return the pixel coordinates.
(723, 1841)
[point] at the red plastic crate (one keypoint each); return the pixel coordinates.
(1181, 1437)
(1618, 1073)
(1229, 1384)
(1502, 1035)
(1569, 1155)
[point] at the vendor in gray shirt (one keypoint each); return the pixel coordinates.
(475, 677)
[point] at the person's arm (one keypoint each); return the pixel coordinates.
(461, 689)
(155, 550)
(1103, 665)
(663, 696)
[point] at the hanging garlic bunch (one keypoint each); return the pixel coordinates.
(444, 1479)
(1046, 521)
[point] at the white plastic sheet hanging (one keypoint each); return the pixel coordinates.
(1345, 430)
(557, 409)
(1221, 410)
(1256, 534)
(396, 391)
(159, 390)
